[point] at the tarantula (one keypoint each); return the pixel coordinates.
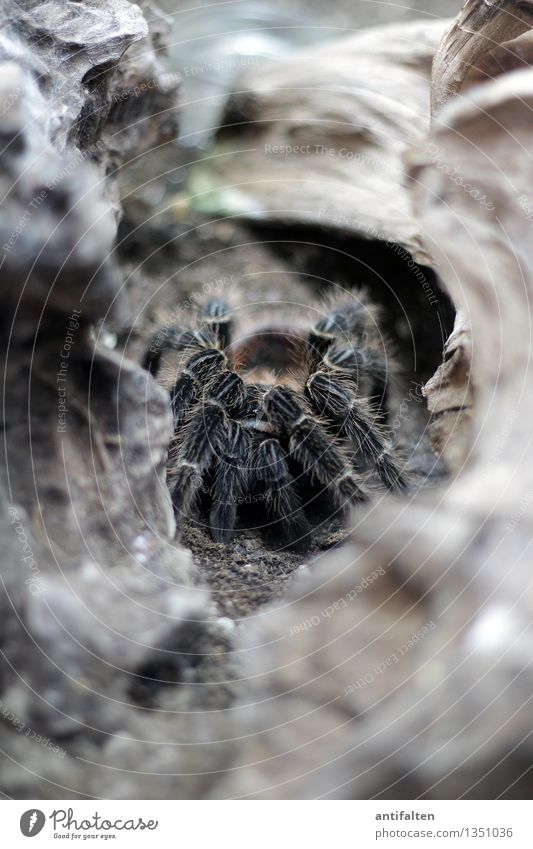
(287, 416)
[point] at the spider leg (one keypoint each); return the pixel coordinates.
(281, 495)
(365, 368)
(336, 401)
(230, 483)
(311, 446)
(202, 441)
(172, 338)
(217, 316)
(203, 438)
(198, 369)
(344, 321)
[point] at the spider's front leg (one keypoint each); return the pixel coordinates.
(216, 314)
(312, 447)
(364, 368)
(345, 321)
(230, 482)
(175, 339)
(334, 400)
(279, 490)
(203, 440)
(197, 371)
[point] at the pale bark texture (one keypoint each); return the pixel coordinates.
(485, 40)
(318, 139)
(94, 595)
(397, 664)
(416, 679)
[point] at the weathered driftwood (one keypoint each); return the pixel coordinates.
(96, 604)
(486, 39)
(318, 139)
(449, 395)
(401, 666)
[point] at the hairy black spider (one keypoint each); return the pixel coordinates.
(285, 416)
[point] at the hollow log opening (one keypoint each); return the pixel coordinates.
(141, 657)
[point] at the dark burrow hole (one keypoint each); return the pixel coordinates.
(416, 316)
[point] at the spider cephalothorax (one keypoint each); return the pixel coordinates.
(285, 417)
